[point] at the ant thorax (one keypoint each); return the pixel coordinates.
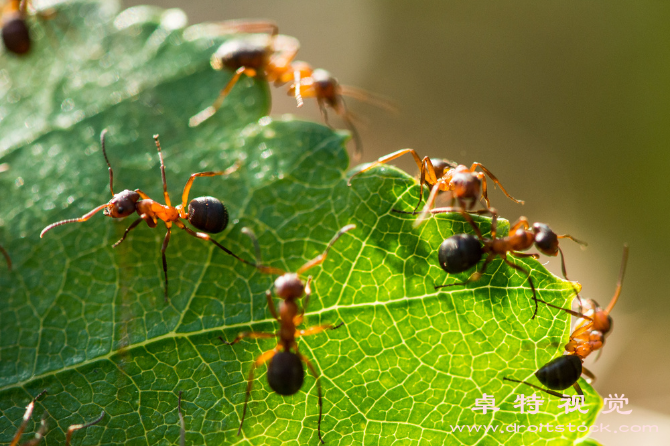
(289, 286)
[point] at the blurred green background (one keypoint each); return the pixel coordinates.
(567, 102)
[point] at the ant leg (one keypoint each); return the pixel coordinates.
(9, 261)
(111, 172)
(26, 417)
(41, 432)
(573, 313)
(530, 281)
(249, 334)
(429, 204)
(321, 257)
(189, 183)
(182, 425)
(475, 276)
(521, 223)
(212, 109)
(75, 427)
(308, 293)
(525, 255)
(391, 157)
(578, 389)
(495, 180)
(550, 392)
(160, 156)
(358, 143)
(565, 275)
(271, 305)
(257, 250)
(619, 284)
(130, 228)
(485, 193)
(73, 220)
(163, 248)
(318, 329)
(261, 359)
(203, 236)
(589, 374)
(580, 242)
(315, 374)
(324, 112)
(142, 194)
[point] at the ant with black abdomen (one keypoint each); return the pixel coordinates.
(591, 329)
(285, 370)
(205, 213)
(442, 175)
(461, 252)
(271, 56)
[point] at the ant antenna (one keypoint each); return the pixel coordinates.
(104, 153)
(257, 250)
(76, 427)
(160, 156)
(619, 284)
(321, 257)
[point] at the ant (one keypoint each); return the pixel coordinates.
(7, 258)
(43, 426)
(443, 175)
(591, 329)
(15, 34)
(205, 213)
(271, 56)
(285, 371)
(460, 252)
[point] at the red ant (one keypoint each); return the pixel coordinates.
(205, 213)
(43, 426)
(442, 175)
(591, 329)
(285, 370)
(6, 254)
(463, 251)
(271, 56)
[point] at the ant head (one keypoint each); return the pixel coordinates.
(285, 373)
(289, 286)
(122, 204)
(15, 35)
(465, 184)
(441, 166)
(250, 52)
(601, 321)
(326, 86)
(208, 214)
(459, 253)
(546, 240)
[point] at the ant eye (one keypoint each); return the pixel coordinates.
(119, 209)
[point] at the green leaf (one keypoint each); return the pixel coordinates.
(88, 323)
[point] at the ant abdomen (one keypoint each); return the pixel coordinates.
(208, 214)
(459, 253)
(560, 373)
(285, 373)
(250, 52)
(15, 35)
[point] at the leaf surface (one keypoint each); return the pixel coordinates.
(87, 322)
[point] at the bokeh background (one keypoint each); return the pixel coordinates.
(567, 102)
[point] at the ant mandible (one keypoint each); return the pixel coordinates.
(43, 426)
(442, 175)
(205, 213)
(591, 329)
(15, 34)
(285, 370)
(461, 252)
(6, 254)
